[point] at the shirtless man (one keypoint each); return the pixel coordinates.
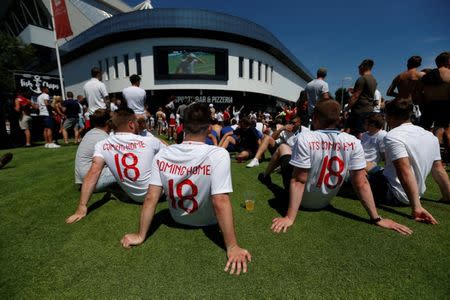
(436, 99)
(407, 82)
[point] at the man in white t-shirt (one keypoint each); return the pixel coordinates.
(372, 141)
(95, 92)
(411, 154)
(321, 160)
(317, 90)
(128, 156)
(45, 113)
(135, 96)
(196, 179)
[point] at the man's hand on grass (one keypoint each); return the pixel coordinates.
(281, 224)
(78, 215)
(131, 239)
(237, 260)
(422, 215)
(389, 224)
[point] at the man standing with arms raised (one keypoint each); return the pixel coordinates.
(321, 160)
(196, 179)
(95, 92)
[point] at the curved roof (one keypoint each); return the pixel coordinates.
(176, 22)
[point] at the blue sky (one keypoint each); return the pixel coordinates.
(339, 34)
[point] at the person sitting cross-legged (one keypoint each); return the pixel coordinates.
(321, 160)
(196, 179)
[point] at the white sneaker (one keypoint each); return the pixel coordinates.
(46, 145)
(253, 163)
(53, 145)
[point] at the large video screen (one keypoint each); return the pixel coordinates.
(196, 62)
(186, 62)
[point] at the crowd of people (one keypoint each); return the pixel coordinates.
(383, 149)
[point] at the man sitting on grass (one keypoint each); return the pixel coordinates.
(411, 154)
(196, 179)
(245, 140)
(321, 160)
(128, 157)
(85, 151)
(372, 141)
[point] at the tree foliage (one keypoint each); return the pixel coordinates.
(14, 55)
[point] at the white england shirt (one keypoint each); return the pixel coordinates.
(190, 173)
(129, 157)
(135, 97)
(43, 111)
(373, 145)
(329, 155)
(422, 149)
(95, 92)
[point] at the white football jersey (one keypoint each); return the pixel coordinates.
(373, 145)
(422, 149)
(129, 157)
(190, 173)
(329, 155)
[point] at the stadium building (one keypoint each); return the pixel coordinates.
(188, 53)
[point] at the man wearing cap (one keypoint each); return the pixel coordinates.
(317, 90)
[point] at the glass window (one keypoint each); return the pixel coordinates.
(106, 69)
(127, 66)
(271, 75)
(241, 67)
(267, 72)
(250, 69)
(116, 67)
(259, 70)
(138, 64)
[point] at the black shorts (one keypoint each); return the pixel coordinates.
(381, 191)
(437, 112)
(47, 121)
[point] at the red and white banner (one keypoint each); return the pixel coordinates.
(62, 24)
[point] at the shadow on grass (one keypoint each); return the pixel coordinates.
(163, 217)
(106, 197)
(281, 201)
(393, 211)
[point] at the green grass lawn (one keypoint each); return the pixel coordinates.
(326, 254)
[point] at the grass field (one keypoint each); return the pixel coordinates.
(326, 254)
